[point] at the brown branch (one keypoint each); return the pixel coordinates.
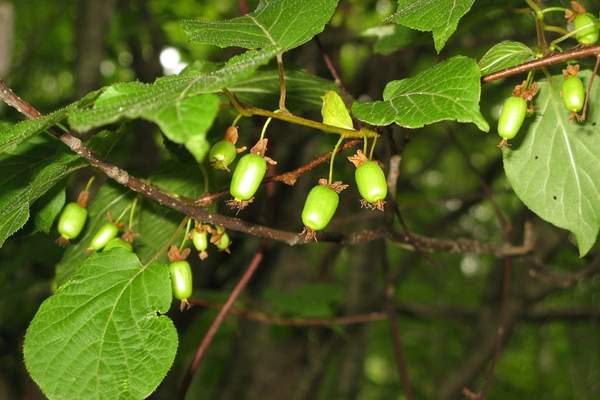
(551, 59)
(417, 311)
(289, 178)
(243, 4)
(187, 206)
(334, 73)
(216, 324)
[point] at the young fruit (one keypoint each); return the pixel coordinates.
(200, 240)
(573, 93)
(181, 279)
(589, 32)
(106, 232)
(319, 207)
(247, 176)
(512, 117)
(371, 182)
(222, 154)
(118, 243)
(224, 242)
(71, 221)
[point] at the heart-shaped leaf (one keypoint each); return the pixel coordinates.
(101, 336)
(555, 167)
(447, 91)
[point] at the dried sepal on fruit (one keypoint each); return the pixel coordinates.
(72, 219)
(573, 91)
(370, 180)
(181, 275)
(199, 238)
(223, 153)
(514, 111)
(221, 239)
(585, 25)
(320, 207)
(248, 175)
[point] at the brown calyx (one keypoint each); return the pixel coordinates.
(528, 93)
(308, 234)
(358, 159)
(83, 198)
(260, 149)
(175, 254)
(238, 205)
(378, 205)
(231, 134)
(338, 186)
(571, 70)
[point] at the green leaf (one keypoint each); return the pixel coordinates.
(283, 24)
(438, 16)
(135, 99)
(54, 202)
(303, 90)
(187, 120)
(447, 91)
(29, 174)
(12, 136)
(101, 336)
(504, 55)
(390, 38)
(555, 168)
(334, 111)
(154, 224)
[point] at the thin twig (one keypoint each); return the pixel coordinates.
(214, 327)
(243, 4)
(334, 73)
(390, 310)
(551, 59)
(501, 333)
(282, 88)
(248, 110)
(589, 89)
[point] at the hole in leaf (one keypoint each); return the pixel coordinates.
(554, 197)
(536, 157)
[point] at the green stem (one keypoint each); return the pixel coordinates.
(237, 118)
(552, 9)
(557, 29)
(132, 213)
(88, 185)
(539, 14)
(530, 75)
(185, 235)
(333, 153)
(264, 128)
(123, 213)
(373, 147)
(365, 143)
(248, 111)
(568, 35)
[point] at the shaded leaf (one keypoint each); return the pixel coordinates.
(135, 99)
(283, 24)
(504, 55)
(29, 174)
(555, 168)
(303, 90)
(447, 91)
(438, 16)
(390, 38)
(54, 202)
(187, 121)
(100, 336)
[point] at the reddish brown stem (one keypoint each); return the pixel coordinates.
(216, 324)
